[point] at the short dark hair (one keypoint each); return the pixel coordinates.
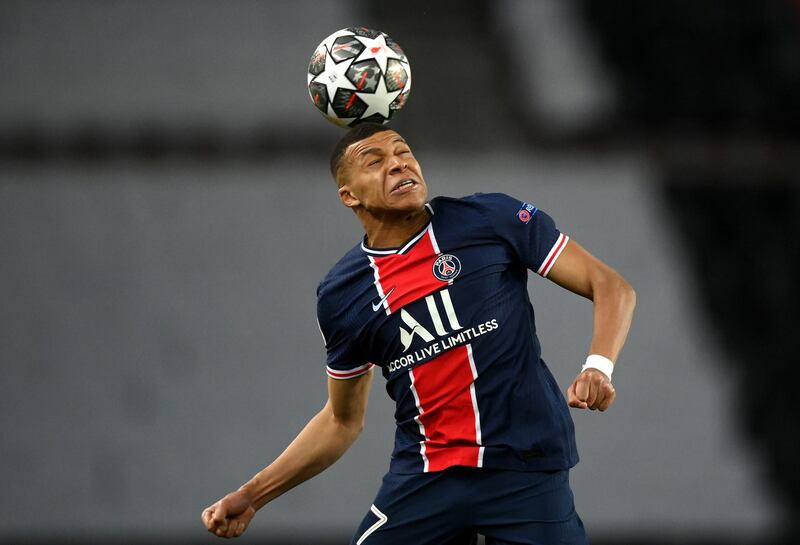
(357, 133)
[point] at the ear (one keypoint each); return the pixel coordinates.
(347, 197)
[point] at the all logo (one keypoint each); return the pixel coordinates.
(446, 267)
(416, 328)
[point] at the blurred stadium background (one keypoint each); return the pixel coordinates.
(166, 214)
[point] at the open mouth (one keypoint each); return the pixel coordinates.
(404, 185)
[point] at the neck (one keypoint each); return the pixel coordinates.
(392, 231)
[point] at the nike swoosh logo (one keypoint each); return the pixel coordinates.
(379, 304)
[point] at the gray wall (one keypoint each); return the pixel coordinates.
(158, 345)
(158, 342)
(230, 65)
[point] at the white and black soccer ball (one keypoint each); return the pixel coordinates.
(358, 75)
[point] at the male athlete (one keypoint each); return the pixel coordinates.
(436, 296)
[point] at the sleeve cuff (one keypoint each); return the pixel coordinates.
(349, 373)
(552, 255)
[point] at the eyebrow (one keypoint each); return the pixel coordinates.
(369, 151)
(378, 150)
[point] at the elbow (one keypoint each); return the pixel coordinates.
(353, 429)
(626, 293)
(611, 285)
(356, 426)
(350, 425)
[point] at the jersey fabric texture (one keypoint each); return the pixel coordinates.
(448, 320)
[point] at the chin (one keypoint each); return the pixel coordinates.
(411, 205)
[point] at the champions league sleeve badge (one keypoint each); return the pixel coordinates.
(526, 212)
(446, 267)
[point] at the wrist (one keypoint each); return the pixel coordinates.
(250, 493)
(601, 363)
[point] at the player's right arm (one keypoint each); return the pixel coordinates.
(324, 440)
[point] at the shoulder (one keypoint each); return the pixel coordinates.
(476, 200)
(346, 275)
(488, 205)
(350, 263)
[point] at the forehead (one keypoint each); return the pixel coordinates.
(378, 140)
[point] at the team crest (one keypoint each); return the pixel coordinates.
(446, 267)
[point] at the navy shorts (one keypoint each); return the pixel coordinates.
(450, 507)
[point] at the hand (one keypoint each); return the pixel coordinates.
(230, 516)
(591, 390)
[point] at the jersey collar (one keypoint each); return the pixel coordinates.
(401, 249)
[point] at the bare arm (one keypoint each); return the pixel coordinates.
(614, 300)
(324, 440)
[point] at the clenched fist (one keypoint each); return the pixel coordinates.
(591, 389)
(230, 516)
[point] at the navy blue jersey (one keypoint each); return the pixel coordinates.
(448, 320)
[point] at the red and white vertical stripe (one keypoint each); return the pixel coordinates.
(449, 419)
(420, 410)
(475, 405)
(377, 275)
(406, 275)
(443, 388)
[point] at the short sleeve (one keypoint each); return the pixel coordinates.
(344, 359)
(530, 232)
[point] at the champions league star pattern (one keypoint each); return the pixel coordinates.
(358, 75)
(448, 320)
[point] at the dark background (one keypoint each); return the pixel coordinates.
(166, 214)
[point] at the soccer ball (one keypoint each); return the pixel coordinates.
(358, 75)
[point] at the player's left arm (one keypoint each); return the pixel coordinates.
(614, 300)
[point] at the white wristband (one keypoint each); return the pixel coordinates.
(601, 363)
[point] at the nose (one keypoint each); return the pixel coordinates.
(397, 165)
